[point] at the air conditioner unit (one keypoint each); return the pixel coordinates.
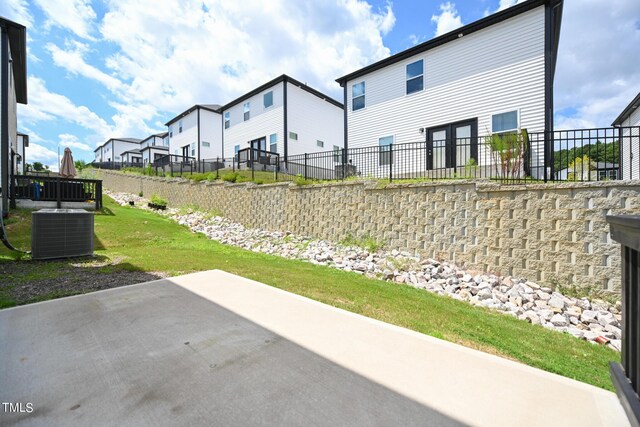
(61, 233)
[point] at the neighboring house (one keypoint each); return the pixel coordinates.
(133, 156)
(196, 133)
(283, 116)
(113, 149)
(154, 147)
(629, 120)
(599, 171)
(494, 75)
(19, 158)
(13, 84)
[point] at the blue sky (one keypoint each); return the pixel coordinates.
(114, 68)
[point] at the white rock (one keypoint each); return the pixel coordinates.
(589, 316)
(559, 320)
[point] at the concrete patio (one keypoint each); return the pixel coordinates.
(213, 348)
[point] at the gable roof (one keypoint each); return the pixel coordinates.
(627, 111)
(215, 108)
(18, 44)
(279, 79)
(131, 140)
(461, 32)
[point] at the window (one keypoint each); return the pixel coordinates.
(166, 141)
(415, 76)
(236, 149)
(205, 144)
(320, 143)
(357, 95)
(227, 120)
(273, 143)
(267, 99)
(180, 126)
(293, 135)
(170, 131)
(247, 111)
(385, 144)
(336, 154)
(504, 122)
(193, 148)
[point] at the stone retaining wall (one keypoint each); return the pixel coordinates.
(543, 232)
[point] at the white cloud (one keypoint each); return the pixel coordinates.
(76, 16)
(71, 141)
(508, 3)
(597, 72)
(46, 106)
(447, 20)
(17, 11)
(40, 153)
(72, 59)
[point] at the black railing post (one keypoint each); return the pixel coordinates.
(98, 195)
(277, 166)
(253, 167)
(306, 158)
(620, 160)
(626, 376)
(390, 162)
(58, 195)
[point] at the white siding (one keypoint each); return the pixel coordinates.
(313, 119)
(631, 146)
(148, 155)
(209, 132)
(262, 122)
(120, 147)
(497, 69)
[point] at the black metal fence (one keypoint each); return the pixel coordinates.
(56, 189)
(626, 376)
(517, 157)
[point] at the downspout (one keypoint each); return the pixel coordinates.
(198, 121)
(548, 95)
(4, 123)
(346, 142)
(286, 127)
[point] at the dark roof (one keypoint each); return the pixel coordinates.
(460, 32)
(282, 78)
(158, 147)
(134, 151)
(209, 107)
(18, 45)
(131, 140)
(161, 134)
(627, 111)
(155, 135)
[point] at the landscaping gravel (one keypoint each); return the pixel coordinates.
(586, 319)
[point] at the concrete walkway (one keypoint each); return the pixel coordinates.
(215, 349)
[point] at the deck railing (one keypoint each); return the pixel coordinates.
(56, 189)
(626, 376)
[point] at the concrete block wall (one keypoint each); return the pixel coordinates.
(543, 232)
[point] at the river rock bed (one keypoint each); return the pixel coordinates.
(596, 321)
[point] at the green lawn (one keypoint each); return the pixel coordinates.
(148, 242)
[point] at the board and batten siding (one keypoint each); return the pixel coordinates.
(211, 134)
(313, 119)
(262, 122)
(494, 70)
(631, 146)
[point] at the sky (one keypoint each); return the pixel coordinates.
(123, 68)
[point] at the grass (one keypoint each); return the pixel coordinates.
(367, 241)
(154, 243)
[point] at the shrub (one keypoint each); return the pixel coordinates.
(158, 201)
(300, 180)
(366, 241)
(230, 177)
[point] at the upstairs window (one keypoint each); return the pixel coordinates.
(170, 131)
(227, 120)
(357, 95)
(293, 135)
(415, 76)
(504, 122)
(180, 126)
(247, 111)
(320, 143)
(166, 141)
(273, 143)
(206, 144)
(267, 99)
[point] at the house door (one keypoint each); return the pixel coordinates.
(259, 144)
(185, 153)
(452, 145)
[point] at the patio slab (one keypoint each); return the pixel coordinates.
(214, 348)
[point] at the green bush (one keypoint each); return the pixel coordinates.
(157, 200)
(230, 177)
(366, 241)
(300, 180)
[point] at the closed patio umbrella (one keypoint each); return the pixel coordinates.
(67, 168)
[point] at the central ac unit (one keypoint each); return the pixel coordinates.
(61, 233)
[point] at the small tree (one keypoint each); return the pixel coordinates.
(582, 169)
(80, 164)
(37, 166)
(508, 152)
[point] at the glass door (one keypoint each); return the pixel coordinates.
(452, 145)
(437, 148)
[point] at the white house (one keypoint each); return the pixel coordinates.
(113, 149)
(494, 75)
(154, 147)
(132, 157)
(13, 84)
(283, 116)
(629, 121)
(196, 133)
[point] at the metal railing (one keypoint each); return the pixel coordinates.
(626, 376)
(56, 189)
